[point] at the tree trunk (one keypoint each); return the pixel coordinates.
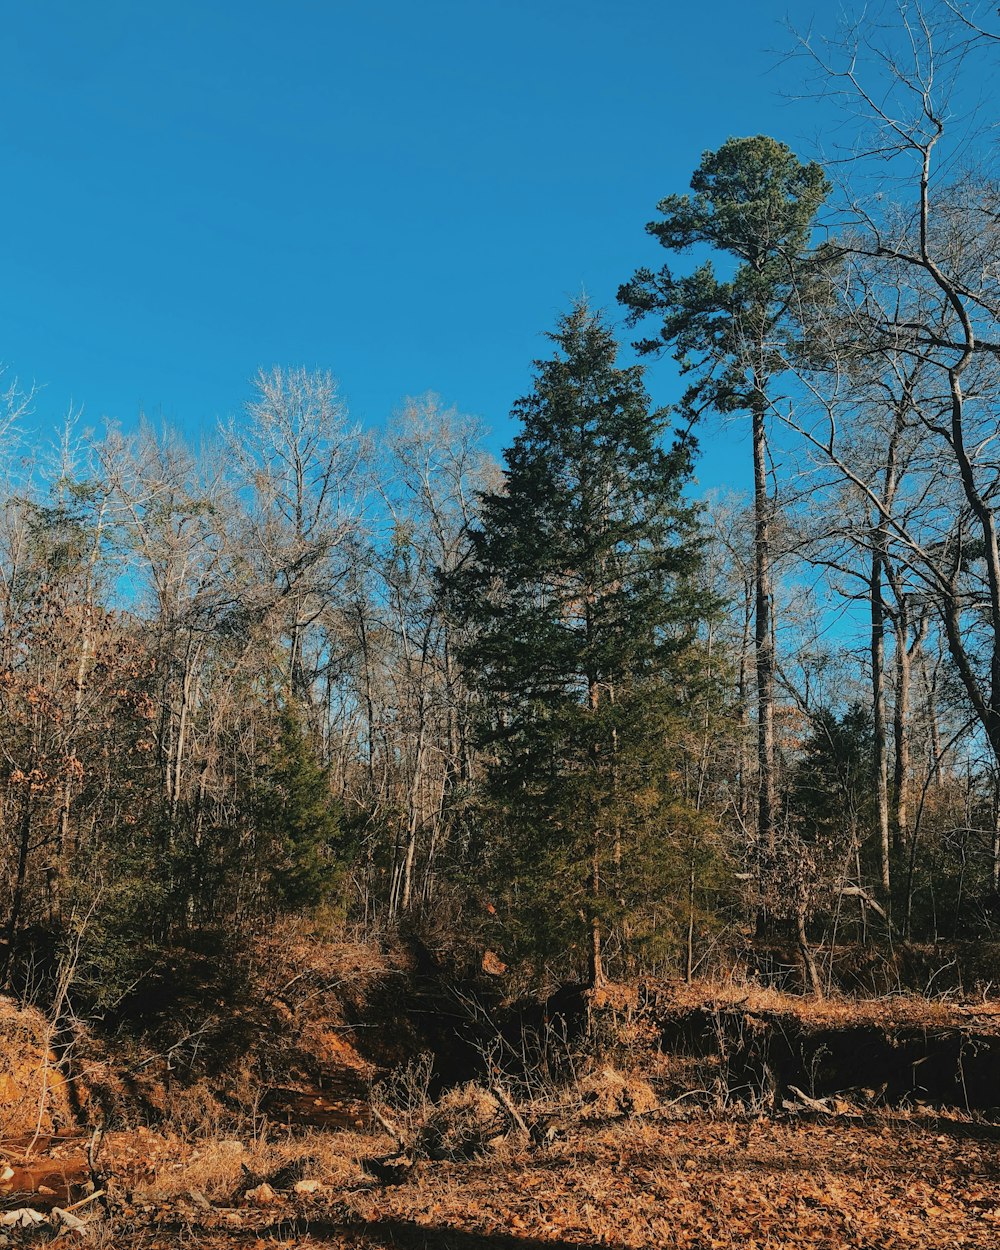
(596, 969)
(996, 836)
(878, 712)
(596, 962)
(20, 880)
(763, 635)
(901, 732)
(813, 980)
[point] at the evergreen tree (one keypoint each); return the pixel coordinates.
(832, 791)
(581, 611)
(753, 205)
(298, 820)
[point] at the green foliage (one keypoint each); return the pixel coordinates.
(582, 610)
(833, 785)
(752, 202)
(298, 822)
(831, 803)
(124, 934)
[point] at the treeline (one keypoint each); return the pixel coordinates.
(228, 684)
(556, 710)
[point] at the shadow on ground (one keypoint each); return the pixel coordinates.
(394, 1234)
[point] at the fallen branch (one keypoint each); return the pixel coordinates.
(389, 1127)
(505, 1101)
(97, 1178)
(814, 1104)
(857, 891)
(98, 1193)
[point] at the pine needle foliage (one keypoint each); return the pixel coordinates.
(298, 820)
(581, 609)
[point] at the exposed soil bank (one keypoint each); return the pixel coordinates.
(948, 1058)
(330, 1019)
(34, 1097)
(754, 1046)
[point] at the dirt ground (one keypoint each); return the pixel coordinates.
(702, 1182)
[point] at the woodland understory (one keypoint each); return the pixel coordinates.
(349, 1097)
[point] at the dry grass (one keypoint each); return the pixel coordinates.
(893, 1181)
(893, 1011)
(33, 1093)
(617, 1168)
(607, 1094)
(719, 1183)
(220, 1170)
(462, 1124)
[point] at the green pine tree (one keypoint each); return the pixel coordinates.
(832, 786)
(733, 330)
(581, 609)
(298, 820)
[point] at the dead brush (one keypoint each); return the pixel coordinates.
(33, 1091)
(213, 1169)
(462, 1124)
(194, 1111)
(608, 1094)
(221, 1170)
(401, 1102)
(335, 1158)
(332, 1160)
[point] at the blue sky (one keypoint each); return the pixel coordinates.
(406, 194)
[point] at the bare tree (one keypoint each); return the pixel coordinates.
(434, 468)
(916, 309)
(299, 465)
(925, 285)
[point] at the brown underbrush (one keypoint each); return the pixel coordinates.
(34, 1096)
(709, 1116)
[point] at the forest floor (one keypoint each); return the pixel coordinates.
(704, 1117)
(704, 1181)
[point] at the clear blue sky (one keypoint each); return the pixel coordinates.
(404, 193)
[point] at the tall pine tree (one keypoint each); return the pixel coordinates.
(753, 204)
(581, 611)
